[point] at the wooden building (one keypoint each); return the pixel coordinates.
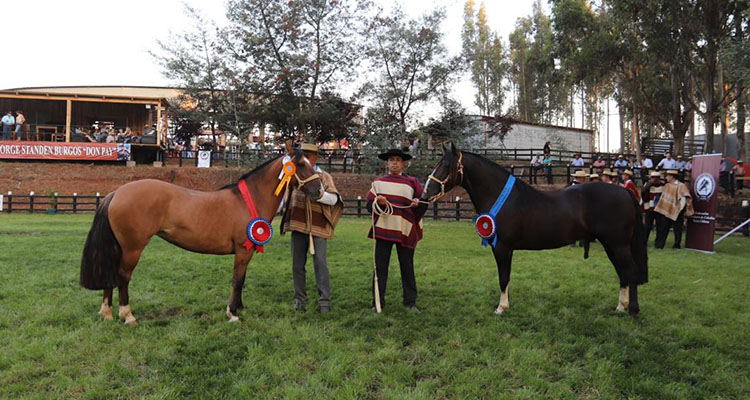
(62, 113)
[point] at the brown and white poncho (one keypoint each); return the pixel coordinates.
(305, 215)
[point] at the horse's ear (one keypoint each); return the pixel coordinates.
(289, 149)
(453, 149)
(445, 149)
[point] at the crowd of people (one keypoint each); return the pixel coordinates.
(110, 134)
(665, 200)
(641, 168)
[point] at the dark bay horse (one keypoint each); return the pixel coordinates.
(203, 222)
(535, 220)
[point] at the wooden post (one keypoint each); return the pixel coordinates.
(68, 108)
(159, 124)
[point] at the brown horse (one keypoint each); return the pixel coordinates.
(203, 222)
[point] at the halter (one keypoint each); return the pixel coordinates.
(442, 183)
(302, 182)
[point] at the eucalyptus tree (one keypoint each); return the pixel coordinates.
(541, 91)
(486, 57)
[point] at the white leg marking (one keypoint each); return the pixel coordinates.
(106, 311)
(504, 303)
(624, 300)
(125, 314)
(232, 317)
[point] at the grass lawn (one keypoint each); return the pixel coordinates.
(560, 339)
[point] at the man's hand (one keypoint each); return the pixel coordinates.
(381, 200)
(414, 202)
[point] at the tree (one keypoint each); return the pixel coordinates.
(411, 63)
(541, 92)
(193, 61)
(484, 53)
(292, 56)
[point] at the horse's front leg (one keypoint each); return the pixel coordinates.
(241, 259)
(503, 257)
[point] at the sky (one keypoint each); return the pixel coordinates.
(107, 42)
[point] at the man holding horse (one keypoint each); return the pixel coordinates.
(397, 220)
(312, 221)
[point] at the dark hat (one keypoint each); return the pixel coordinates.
(394, 152)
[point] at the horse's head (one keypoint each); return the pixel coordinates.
(448, 173)
(305, 176)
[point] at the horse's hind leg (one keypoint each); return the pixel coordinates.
(503, 257)
(241, 259)
(106, 310)
(129, 261)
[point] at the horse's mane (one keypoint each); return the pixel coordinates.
(494, 167)
(248, 174)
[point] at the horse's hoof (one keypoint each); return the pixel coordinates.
(130, 321)
(499, 311)
(620, 308)
(634, 311)
(234, 319)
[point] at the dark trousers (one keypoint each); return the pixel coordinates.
(663, 224)
(651, 217)
(534, 170)
(548, 172)
(300, 244)
(406, 262)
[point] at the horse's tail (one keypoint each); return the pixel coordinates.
(100, 264)
(638, 244)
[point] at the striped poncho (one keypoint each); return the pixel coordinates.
(405, 225)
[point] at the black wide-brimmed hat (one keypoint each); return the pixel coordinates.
(394, 152)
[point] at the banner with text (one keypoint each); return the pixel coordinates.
(64, 151)
(704, 178)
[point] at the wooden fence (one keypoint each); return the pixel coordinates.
(455, 209)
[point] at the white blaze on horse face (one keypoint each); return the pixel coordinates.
(106, 311)
(427, 184)
(624, 301)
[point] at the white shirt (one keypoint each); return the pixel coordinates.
(577, 162)
(667, 163)
(647, 163)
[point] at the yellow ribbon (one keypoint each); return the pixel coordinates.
(289, 171)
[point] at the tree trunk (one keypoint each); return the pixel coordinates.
(622, 128)
(679, 139)
(723, 111)
(635, 136)
(742, 136)
(710, 109)
(262, 135)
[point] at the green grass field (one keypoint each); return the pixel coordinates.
(560, 339)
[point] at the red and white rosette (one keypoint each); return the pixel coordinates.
(485, 226)
(260, 232)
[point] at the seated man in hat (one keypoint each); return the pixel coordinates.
(607, 176)
(312, 222)
(650, 194)
(402, 228)
(674, 204)
(594, 178)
